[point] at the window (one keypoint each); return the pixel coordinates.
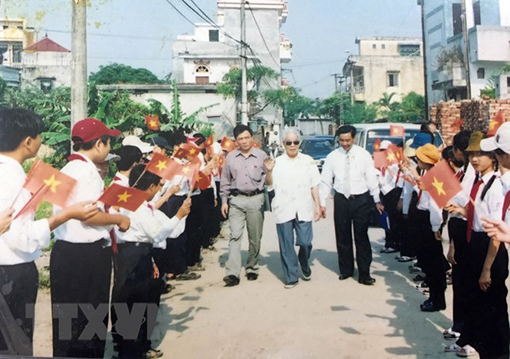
(508, 83)
(17, 49)
(202, 69)
(480, 73)
(202, 80)
(409, 50)
(476, 13)
(46, 84)
(457, 18)
(374, 46)
(383, 46)
(214, 119)
(214, 35)
(392, 79)
(5, 27)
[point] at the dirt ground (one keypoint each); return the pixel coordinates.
(323, 318)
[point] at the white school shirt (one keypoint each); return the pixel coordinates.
(407, 190)
(293, 181)
(492, 204)
(462, 198)
(148, 225)
(121, 179)
(89, 186)
(426, 203)
(363, 175)
(388, 181)
(23, 242)
(505, 183)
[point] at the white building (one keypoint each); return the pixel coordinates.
(385, 64)
(14, 37)
(206, 56)
(488, 33)
(46, 65)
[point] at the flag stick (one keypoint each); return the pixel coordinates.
(35, 194)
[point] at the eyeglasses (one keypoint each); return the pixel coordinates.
(499, 152)
(290, 143)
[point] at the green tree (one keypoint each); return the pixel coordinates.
(293, 104)
(350, 113)
(411, 109)
(119, 73)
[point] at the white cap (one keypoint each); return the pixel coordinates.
(501, 140)
(385, 144)
(135, 141)
(112, 157)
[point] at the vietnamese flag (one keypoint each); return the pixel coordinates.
(181, 153)
(440, 182)
(398, 151)
(209, 141)
(125, 197)
(163, 166)
(152, 122)
(256, 145)
(192, 150)
(380, 160)
(227, 144)
(201, 181)
(189, 170)
(377, 145)
(397, 131)
(391, 156)
(495, 124)
(47, 184)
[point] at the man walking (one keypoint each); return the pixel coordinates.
(350, 171)
(242, 195)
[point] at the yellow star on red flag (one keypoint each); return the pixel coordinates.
(161, 165)
(52, 183)
(439, 187)
(124, 197)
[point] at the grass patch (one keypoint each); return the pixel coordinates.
(44, 279)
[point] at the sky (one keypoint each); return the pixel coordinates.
(140, 33)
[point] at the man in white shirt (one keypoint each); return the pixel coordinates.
(350, 172)
(295, 180)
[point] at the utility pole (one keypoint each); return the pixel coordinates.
(424, 46)
(466, 49)
(351, 63)
(79, 61)
(341, 115)
(244, 81)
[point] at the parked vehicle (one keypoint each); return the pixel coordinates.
(368, 133)
(317, 147)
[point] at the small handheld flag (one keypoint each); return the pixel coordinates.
(397, 131)
(125, 197)
(152, 122)
(442, 185)
(227, 144)
(495, 124)
(163, 166)
(377, 145)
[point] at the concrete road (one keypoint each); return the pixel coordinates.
(323, 318)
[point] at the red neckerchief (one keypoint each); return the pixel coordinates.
(506, 204)
(471, 207)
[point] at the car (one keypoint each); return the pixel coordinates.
(317, 147)
(368, 133)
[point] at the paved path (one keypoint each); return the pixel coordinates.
(323, 318)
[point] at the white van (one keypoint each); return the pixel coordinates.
(368, 133)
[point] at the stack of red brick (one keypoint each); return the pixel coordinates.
(473, 115)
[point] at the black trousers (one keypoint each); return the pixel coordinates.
(486, 328)
(457, 231)
(80, 283)
(390, 202)
(198, 225)
(348, 212)
(132, 288)
(173, 258)
(432, 259)
(408, 243)
(18, 293)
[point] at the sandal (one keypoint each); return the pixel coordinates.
(466, 351)
(151, 354)
(452, 348)
(449, 334)
(188, 276)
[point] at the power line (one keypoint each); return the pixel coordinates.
(113, 35)
(263, 39)
(316, 63)
(180, 13)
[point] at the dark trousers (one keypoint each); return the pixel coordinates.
(18, 293)
(486, 328)
(390, 202)
(131, 289)
(408, 243)
(348, 212)
(80, 280)
(198, 225)
(457, 230)
(173, 258)
(432, 259)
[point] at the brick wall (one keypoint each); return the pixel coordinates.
(474, 114)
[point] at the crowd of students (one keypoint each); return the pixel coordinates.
(475, 223)
(144, 249)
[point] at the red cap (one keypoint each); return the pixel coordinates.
(90, 129)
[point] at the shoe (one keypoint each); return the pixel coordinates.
(422, 285)
(344, 277)
(291, 285)
(367, 281)
(449, 334)
(307, 276)
(167, 289)
(383, 250)
(151, 354)
(419, 278)
(452, 348)
(252, 276)
(231, 280)
(196, 268)
(188, 276)
(415, 270)
(391, 250)
(404, 259)
(428, 308)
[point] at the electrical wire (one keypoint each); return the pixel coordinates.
(261, 35)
